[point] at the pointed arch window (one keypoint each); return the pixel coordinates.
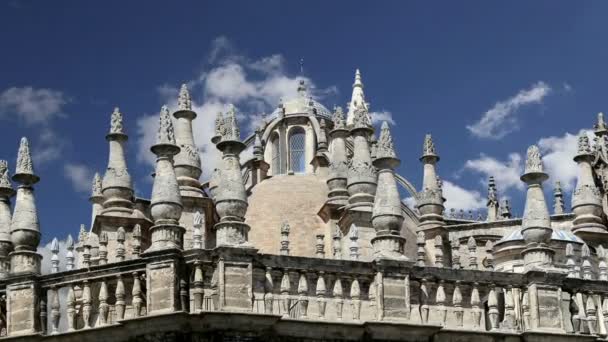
(297, 147)
(275, 163)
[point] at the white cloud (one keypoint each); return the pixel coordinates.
(79, 175)
(506, 173)
(378, 117)
(253, 86)
(460, 198)
(500, 120)
(47, 147)
(557, 157)
(33, 106)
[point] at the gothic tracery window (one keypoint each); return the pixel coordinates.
(297, 143)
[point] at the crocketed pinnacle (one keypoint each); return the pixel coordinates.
(116, 122)
(96, 188)
(5, 182)
(492, 192)
(338, 118)
(536, 214)
(583, 145)
(165, 130)
(357, 99)
(183, 100)
(360, 117)
(233, 131)
(534, 164)
(24, 172)
(428, 148)
(385, 148)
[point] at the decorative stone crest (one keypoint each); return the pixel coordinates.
(534, 163)
(96, 188)
(165, 134)
(583, 144)
(5, 181)
(338, 118)
(385, 148)
(24, 159)
(183, 100)
(428, 147)
(116, 122)
(361, 117)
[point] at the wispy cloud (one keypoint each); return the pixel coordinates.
(506, 172)
(33, 106)
(379, 117)
(501, 119)
(79, 175)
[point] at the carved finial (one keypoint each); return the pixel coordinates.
(82, 235)
(385, 147)
(361, 117)
(231, 129)
(600, 125)
(25, 169)
(338, 118)
(492, 192)
(583, 144)
(534, 163)
(285, 238)
(183, 100)
(420, 252)
(505, 209)
(428, 148)
(55, 256)
(137, 239)
(165, 129)
(69, 256)
(116, 122)
(219, 124)
(558, 195)
(5, 181)
(120, 234)
(96, 188)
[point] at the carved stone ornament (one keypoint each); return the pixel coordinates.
(166, 134)
(385, 148)
(534, 163)
(183, 100)
(338, 118)
(116, 121)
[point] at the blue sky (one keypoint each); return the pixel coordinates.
(437, 67)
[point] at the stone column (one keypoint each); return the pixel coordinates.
(387, 217)
(586, 199)
(25, 228)
(166, 203)
(536, 225)
(338, 167)
(230, 195)
(6, 192)
(187, 162)
(492, 203)
(362, 175)
(117, 184)
(96, 198)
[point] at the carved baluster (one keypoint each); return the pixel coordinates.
(372, 293)
(137, 240)
(285, 297)
(285, 239)
(438, 251)
(69, 256)
(587, 269)
(493, 308)
(440, 299)
(120, 298)
(338, 297)
(43, 314)
(268, 291)
(525, 307)
(183, 295)
(136, 294)
(570, 264)
(337, 243)
(104, 308)
(578, 312)
(591, 312)
(55, 256)
(424, 300)
(86, 304)
(408, 297)
(457, 304)
(602, 266)
(476, 310)
(103, 248)
(354, 244)
(509, 322)
(355, 295)
(197, 234)
(320, 246)
(303, 295)
(197, 290)
(489, 256)
(472, 245)
(120, 247)
(321, 292)
(55, 310)
(71, 308)
(420, 252)
(456, 254)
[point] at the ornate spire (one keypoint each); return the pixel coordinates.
(361, 118)
(5, 182)
(338, 163)
(428, 148)
(387, 217)
(229, 129)
(385, 147)
(600, 126)
(166, 202)
(6, 192)
(219, 128)
(430, 198)
(583, 144)
(558, 199)
(24, 172)
(536, 225)
(357, 100)
(183, 100)
(362, 177)
(96, 187)
(338, 118)
(116, 122)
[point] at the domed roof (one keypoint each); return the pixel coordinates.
(302, 103)
(557, 235)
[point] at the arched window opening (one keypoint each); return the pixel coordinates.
(297, 144)
(276, 155)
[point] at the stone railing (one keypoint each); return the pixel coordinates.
(225, 288)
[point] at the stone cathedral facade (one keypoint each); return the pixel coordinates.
(307, 240)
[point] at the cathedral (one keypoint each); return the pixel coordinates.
(302, 233)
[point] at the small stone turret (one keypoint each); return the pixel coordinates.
(492, 203)
(338, 167)
(96, 198)
(6, 192)
(586, 198)
(187, 162)
(230, 195)
(430, 199)
(558, 199)
(387, 217)
(166, 203)
(536, 225)
(117, 187)
(362, 175)
(25, 228)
